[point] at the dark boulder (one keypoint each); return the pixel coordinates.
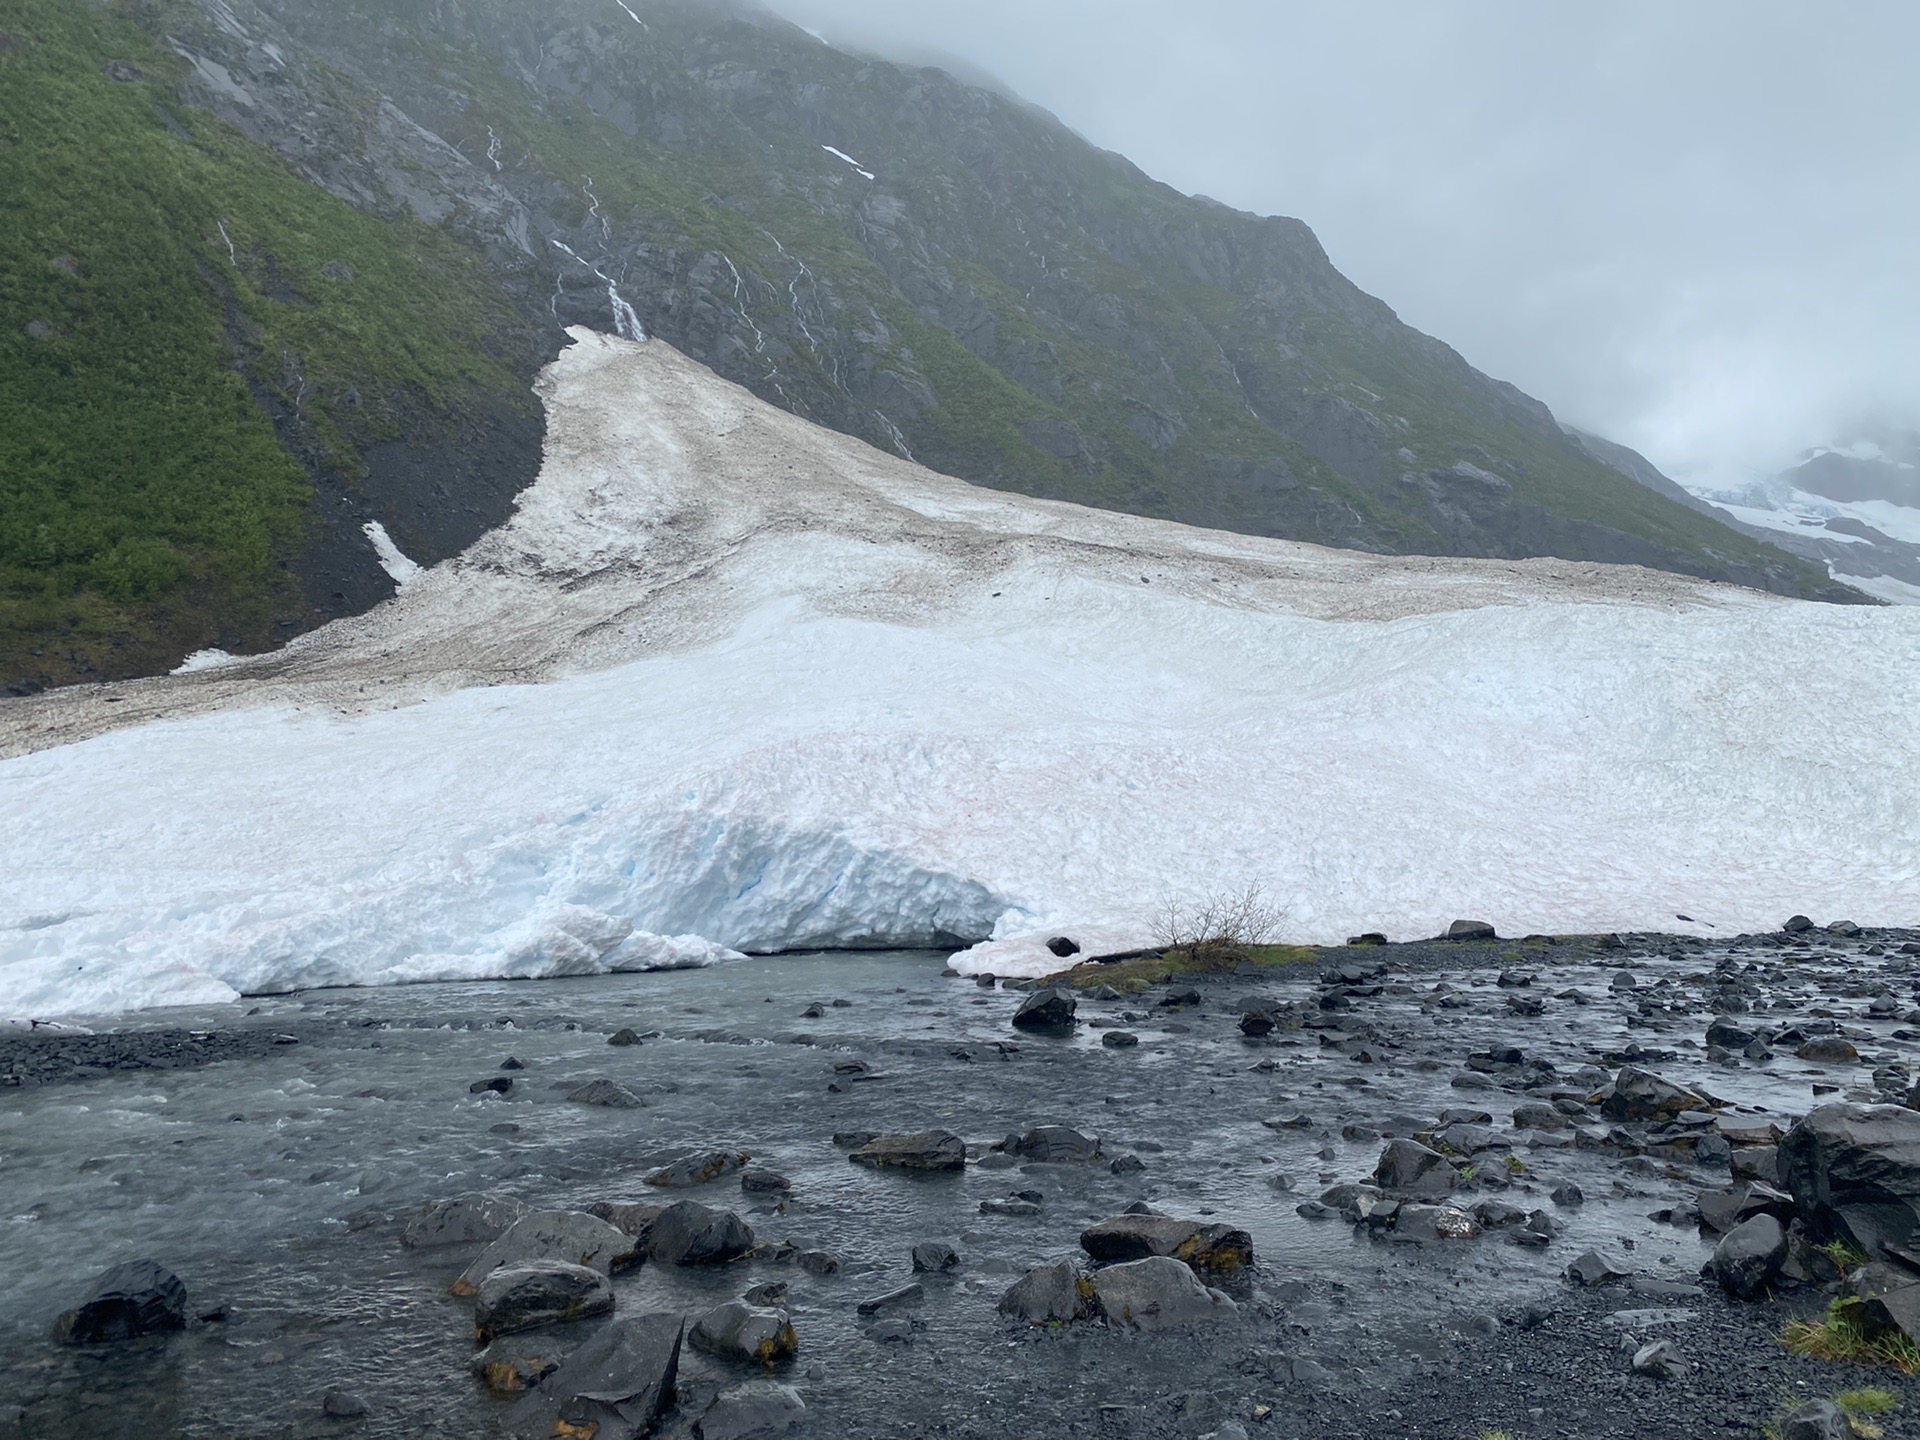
(1748, 1258)
(343, 1405)
(1062, 947)
(1471, 930)
(1119, 1039)
(1056, 1144)
(694, 1170)
(764, 1182)
(1408, 1167)
(463, 1220)
(1854, 1173)
(1154, 1293)
(567, 1235)
(607, 1094)
(1049, 1009)
(1886, 1302)
(1052, 1294)
(762, 1411)
(926, 1150)
(616, 1386)
(1829, 1050)
(935, 1257)
(1725, 1210)
(1135, 1237)
(141, 1297)
(1814, 1420)
(1641, 1095)
(759, 1334)
(545, 1292)
(1593, 1268)
(690, 1233)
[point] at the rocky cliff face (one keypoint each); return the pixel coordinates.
(924, 264)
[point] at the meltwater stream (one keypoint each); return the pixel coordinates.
(275, 1184)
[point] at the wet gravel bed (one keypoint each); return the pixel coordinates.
(48, 1057)
(276, 1178)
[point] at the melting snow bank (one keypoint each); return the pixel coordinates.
(728, 682)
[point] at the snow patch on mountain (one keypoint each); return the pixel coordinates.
(728, 682)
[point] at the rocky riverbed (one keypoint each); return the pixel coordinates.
(846, 1195)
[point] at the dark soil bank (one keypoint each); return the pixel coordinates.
(273, 1160)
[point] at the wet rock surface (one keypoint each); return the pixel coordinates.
(317, 1235)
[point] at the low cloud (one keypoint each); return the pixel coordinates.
(1688, 227)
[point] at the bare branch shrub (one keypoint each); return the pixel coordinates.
(1218, 928)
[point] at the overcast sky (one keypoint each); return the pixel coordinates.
(1693, 227)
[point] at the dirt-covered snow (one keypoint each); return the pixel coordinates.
(731, 681)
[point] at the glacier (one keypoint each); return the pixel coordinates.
(727, 682)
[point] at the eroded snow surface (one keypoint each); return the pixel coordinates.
(730, 682)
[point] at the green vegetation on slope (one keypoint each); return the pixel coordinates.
(163, 283)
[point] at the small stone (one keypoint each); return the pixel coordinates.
(935, 1257)
(607, 1094)
(624, 1036)
(1119, 1039)
(1829, 1050)
(1659, 1359)
(905, 1295)
(764, 1182)
(698, 1169)
(1593, 1268)
(494, 1085)
(343, 1405)
(762, 1335)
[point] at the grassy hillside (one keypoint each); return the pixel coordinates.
(167, 290)
(268, 271)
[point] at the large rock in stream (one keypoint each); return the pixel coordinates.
(690, 1233)
(1154, 1293)
(1049, 1010)
(546, 1292)
(1641, 1095)
(616, 1386)
(141, 1297)
(927, 1150)
(1854, 1173)
(1138, 1237)
(571, 1236)
(463, 1220)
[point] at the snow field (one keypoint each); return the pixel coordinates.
(778, 691)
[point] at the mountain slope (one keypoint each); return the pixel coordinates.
(913, 261)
